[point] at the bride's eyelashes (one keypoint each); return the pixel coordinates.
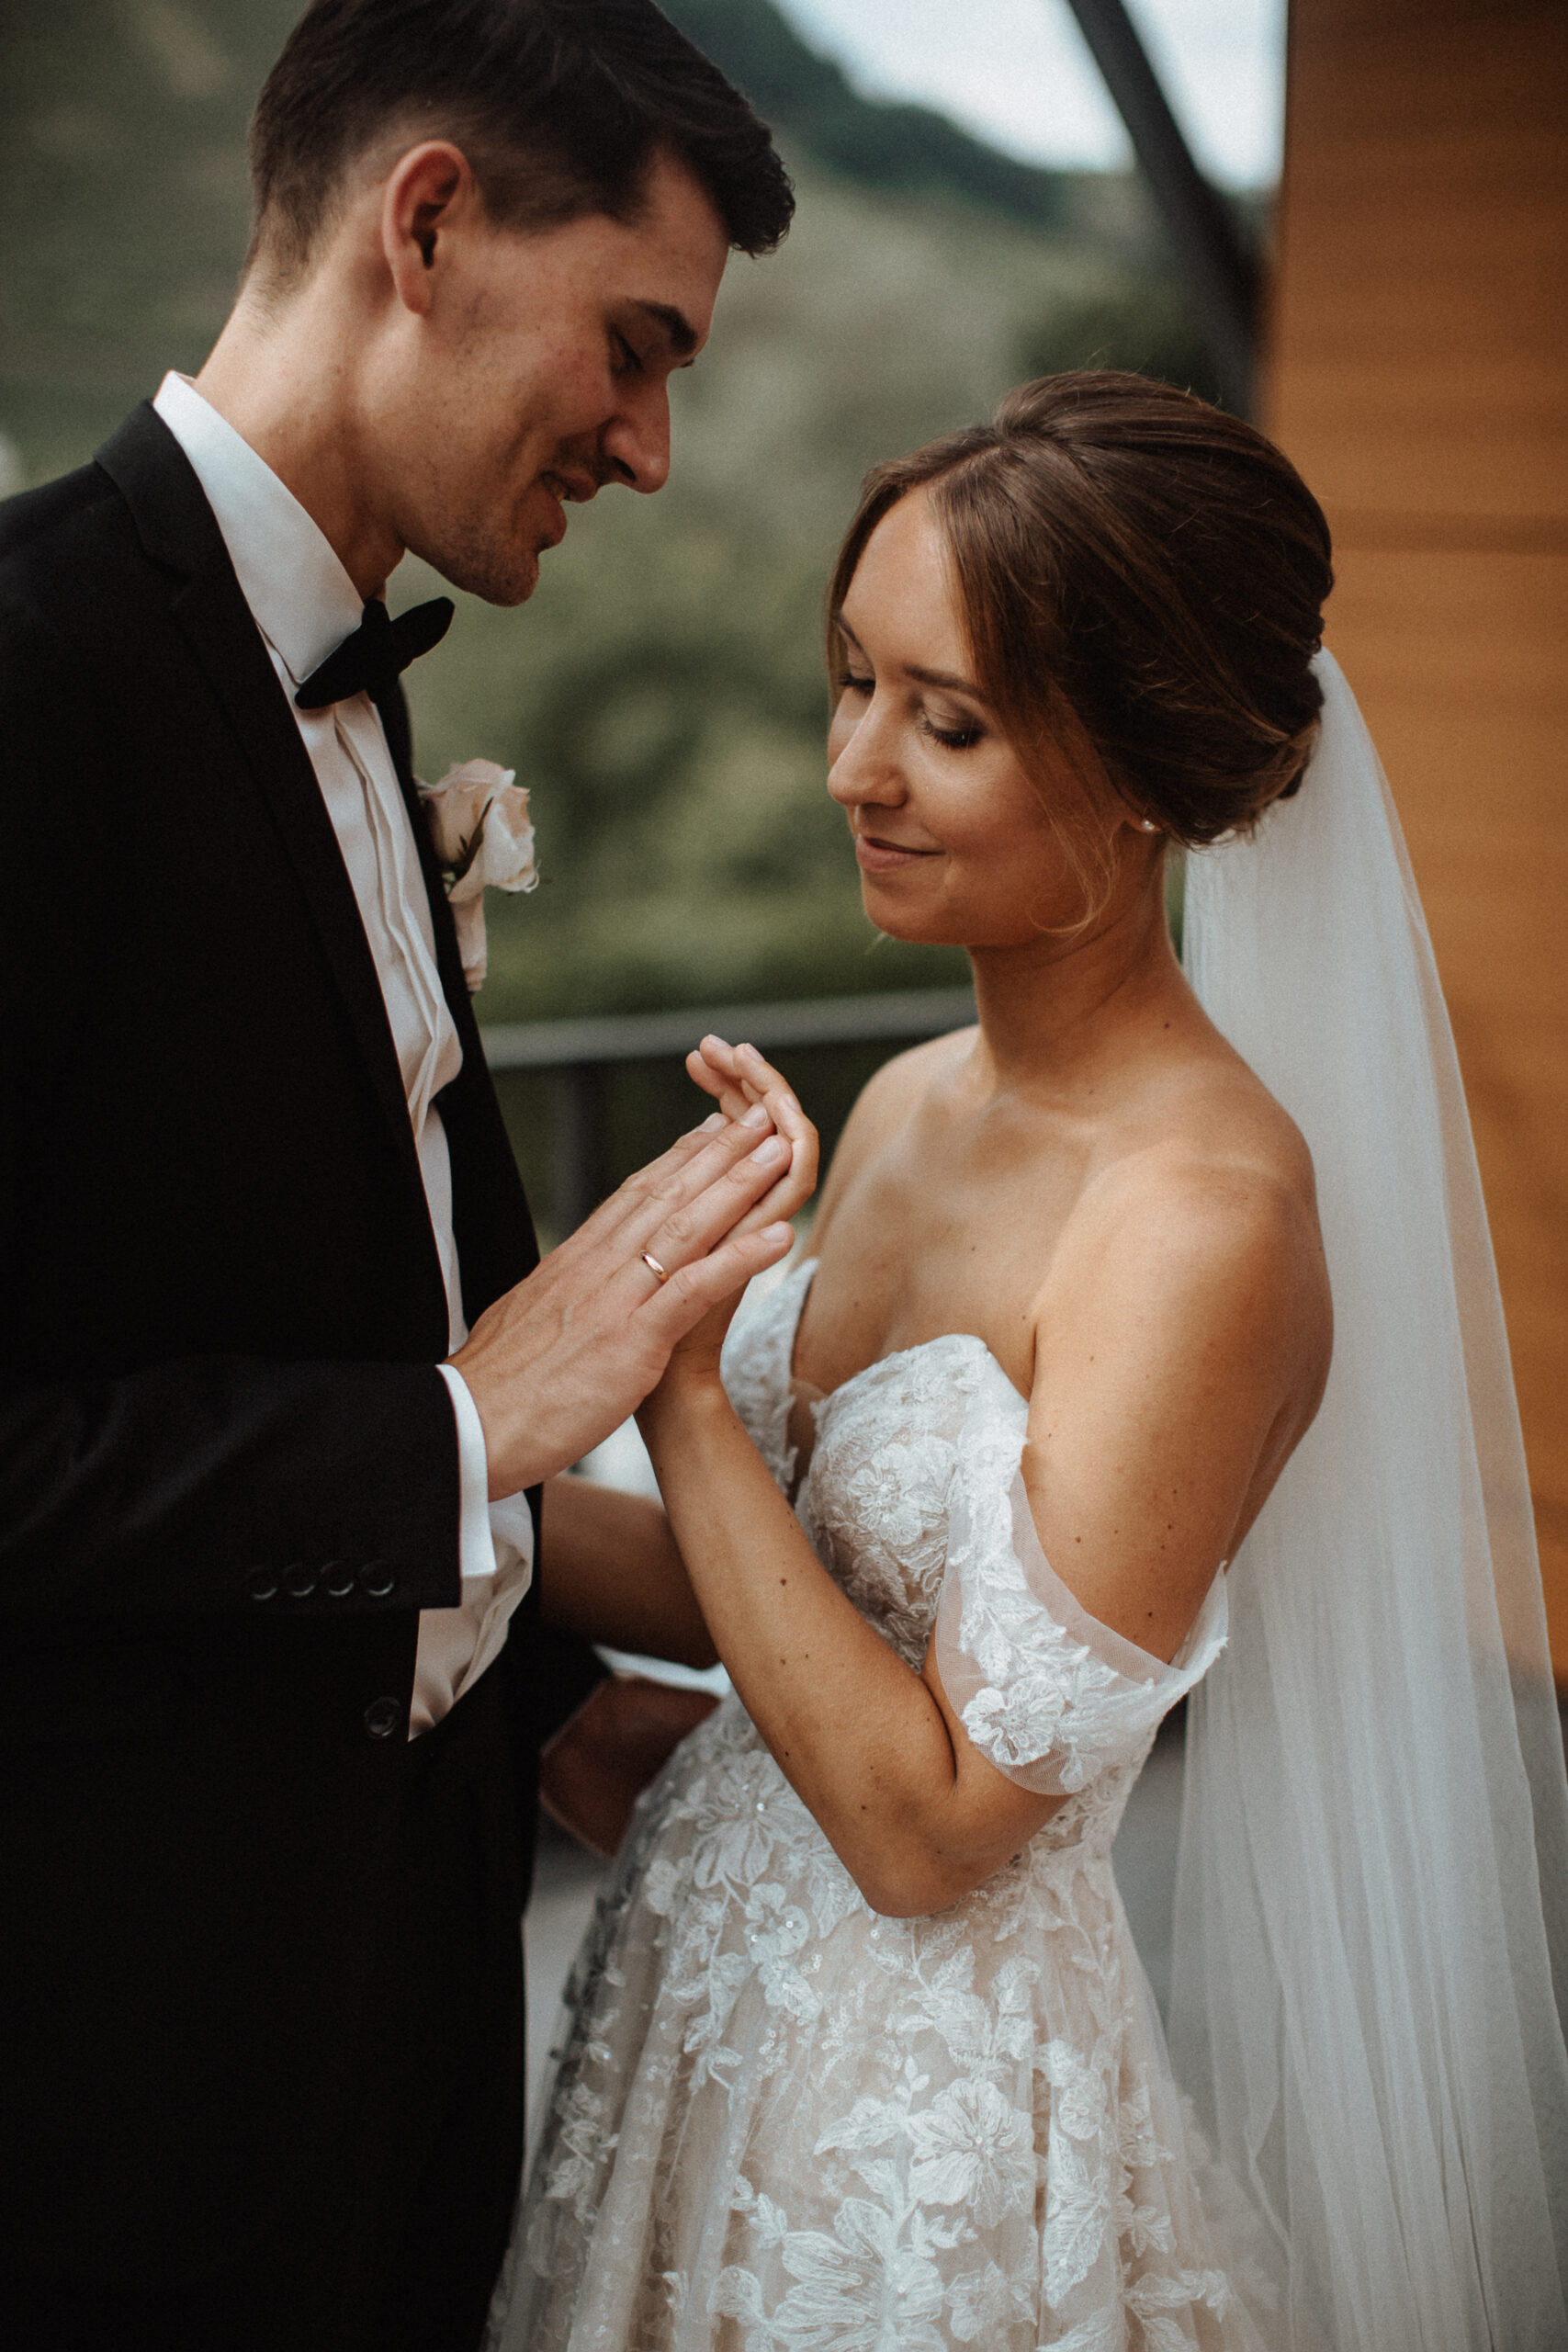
(961, 737)
(952, 739)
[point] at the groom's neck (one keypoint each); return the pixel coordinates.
(288, 379)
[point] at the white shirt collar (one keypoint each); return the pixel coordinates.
(301, 598)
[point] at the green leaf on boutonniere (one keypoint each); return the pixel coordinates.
(469, 850)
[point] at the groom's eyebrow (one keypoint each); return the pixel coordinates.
(678, 329)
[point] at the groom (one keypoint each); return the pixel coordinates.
(276, 1681)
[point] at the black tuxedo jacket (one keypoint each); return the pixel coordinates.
(227, 1466)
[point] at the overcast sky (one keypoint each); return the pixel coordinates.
(1017, 73)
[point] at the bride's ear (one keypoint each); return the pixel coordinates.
(431, 191)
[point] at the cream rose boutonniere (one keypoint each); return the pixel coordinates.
(478, 818)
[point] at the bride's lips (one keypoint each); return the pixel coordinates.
(877, 856)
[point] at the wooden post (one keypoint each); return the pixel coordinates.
(1417, 371)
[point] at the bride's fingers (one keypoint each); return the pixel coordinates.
(713, 1080)
(733, 1100)
(798, 1181)
(742, 1083)
(763, 1083)
(703, 1073)
(723, 1064)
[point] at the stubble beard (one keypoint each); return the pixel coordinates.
(500, 569)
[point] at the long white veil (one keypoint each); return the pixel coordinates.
(1374, 1871)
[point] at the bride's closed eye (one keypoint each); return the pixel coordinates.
(961, 738)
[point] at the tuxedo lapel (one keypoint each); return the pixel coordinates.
(496, 1243)
(394, 715)
(178, 530)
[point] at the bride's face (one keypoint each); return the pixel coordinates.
(952, 834)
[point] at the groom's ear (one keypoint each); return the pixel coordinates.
(430, 192)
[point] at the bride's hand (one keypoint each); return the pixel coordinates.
(738, 1078)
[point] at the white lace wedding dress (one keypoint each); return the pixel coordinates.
(784, 2124)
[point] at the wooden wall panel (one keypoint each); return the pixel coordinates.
(1418, 375)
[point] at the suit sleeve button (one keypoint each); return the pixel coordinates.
(338, 1579)
(376, 1580)
(300, 1580)
(261, 1584)
(382, 1718)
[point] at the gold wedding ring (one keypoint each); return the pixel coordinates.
(660, 1273)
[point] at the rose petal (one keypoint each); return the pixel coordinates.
(472, 945)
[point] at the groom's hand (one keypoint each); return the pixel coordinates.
(562, 1360)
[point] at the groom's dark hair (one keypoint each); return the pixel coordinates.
(561, 106)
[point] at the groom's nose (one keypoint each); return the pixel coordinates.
(635, 445)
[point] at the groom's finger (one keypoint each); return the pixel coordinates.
(677, 1233)
(681, 1302)
(679, 1176)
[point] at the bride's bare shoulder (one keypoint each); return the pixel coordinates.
(1210, 1137)
(1208, 1194)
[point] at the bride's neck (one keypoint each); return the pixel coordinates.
(1056, 1012)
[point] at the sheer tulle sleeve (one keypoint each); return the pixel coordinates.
(1048, 1693)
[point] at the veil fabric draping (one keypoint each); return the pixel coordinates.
(1373, 1869)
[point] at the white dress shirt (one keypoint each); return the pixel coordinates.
(304, 604)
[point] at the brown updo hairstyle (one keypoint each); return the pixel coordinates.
(1143, 578)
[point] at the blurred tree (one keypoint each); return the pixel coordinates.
(812, 105)
(1138, 319)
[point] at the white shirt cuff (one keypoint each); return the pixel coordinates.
(476, 1547)
(490, 1535)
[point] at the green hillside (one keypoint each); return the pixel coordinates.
(813, 109)
(662, 694)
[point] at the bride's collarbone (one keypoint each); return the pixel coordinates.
(948, 1226)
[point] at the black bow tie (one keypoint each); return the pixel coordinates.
(372, 660)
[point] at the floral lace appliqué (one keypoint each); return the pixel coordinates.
(784, 2124)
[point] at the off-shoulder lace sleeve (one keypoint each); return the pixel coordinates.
(1043, 1690)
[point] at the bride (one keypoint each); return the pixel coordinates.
(862, 2059)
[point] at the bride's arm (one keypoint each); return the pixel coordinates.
(614, 1573)
(1176, 1372)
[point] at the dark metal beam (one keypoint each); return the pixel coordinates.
(1222, 275)
(653, 1036)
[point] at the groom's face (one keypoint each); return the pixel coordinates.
(540, 373)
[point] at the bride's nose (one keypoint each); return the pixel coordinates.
(863, 767)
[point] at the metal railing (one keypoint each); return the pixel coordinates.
(580, 1053)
